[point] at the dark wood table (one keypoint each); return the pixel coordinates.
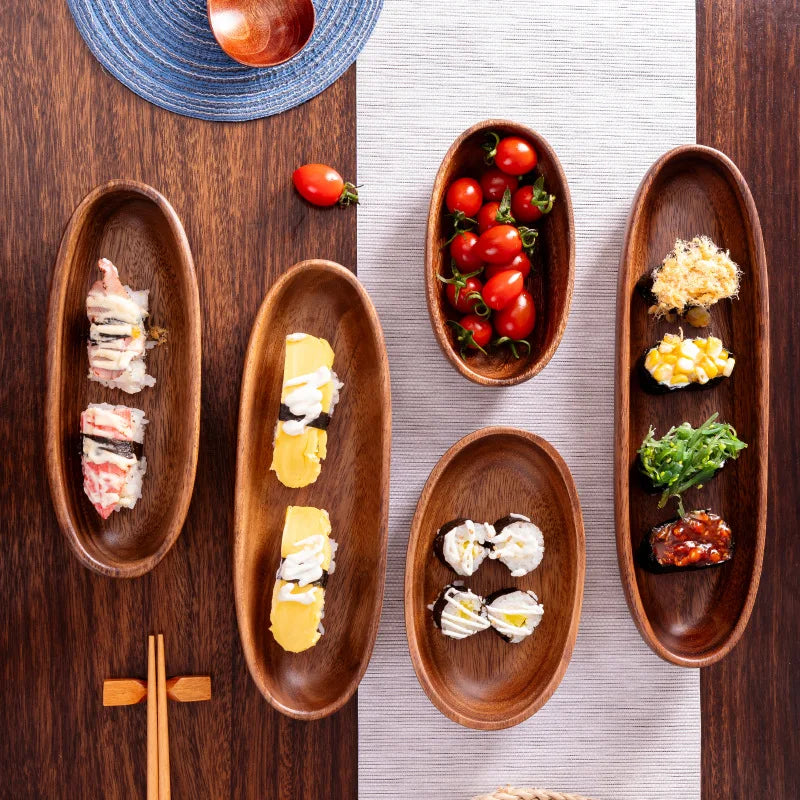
(67, 126)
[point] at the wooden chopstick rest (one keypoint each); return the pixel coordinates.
(181, 688)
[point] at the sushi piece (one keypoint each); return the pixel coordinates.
(459, 613)
(517, 543)
(310, 394)
(298, 598)
(513, 614)
(112, 463)
(118, 334)
(462, 545)
(678, 363)
(692, 278)
(696, 540)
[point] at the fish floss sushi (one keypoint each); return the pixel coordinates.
(517, 543)
(111, 459)
(459, 612)
(462, 545)
(118, 335)
(514, 614)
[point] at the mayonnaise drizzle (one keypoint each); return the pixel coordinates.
(306, 400)
(459, 618)
(286, 595)
(305, 566)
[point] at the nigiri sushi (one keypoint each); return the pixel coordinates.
(118, 337)
(113, 467)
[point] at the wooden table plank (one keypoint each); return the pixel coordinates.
(65, 127)
(748, 71)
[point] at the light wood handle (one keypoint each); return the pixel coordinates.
(152, 740)
(163, 731)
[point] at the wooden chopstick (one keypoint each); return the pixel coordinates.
(152, 741)
(163, 731)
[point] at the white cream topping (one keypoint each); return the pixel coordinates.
(296, 337)
(461, 615)
(463, 546)
(519, 545)
(523, 604)
(305, 401)
(305, 566)
(286, 595)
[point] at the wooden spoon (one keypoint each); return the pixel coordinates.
(261, 33)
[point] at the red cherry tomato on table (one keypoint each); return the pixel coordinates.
(459, 296)
(499, 245)
(464, 195)
(495, 182)
(518, 318)
(323, 185)
(515, 156)
(487, 216)
(472, 333)
(520, 262)
(500, 290)
(464, 251)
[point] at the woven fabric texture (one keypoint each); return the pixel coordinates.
(165, 52)
(612, 86)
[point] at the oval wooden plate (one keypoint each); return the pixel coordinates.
(484, 682)
(327, 300)
(135, 227)
(694, 618)
(553, 259)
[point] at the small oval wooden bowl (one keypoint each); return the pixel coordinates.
(261, 33)
(553, 259)
(135, 227)
(327, 300)
(694, 618)
(484, 682)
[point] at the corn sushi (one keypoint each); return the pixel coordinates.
(118, 335)
(309, 395)
(113, 467)
(678, 363)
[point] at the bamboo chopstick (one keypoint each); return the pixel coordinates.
(163, 732)
(152, 742)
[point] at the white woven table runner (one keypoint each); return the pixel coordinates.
(612, 86)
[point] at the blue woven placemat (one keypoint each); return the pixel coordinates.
(165, 52)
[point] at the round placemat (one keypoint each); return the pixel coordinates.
(165, 52)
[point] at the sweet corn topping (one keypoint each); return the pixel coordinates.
(676, 362)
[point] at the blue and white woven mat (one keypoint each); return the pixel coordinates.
(165, 52)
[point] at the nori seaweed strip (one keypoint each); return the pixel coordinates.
(510, 519)
(321, 422)
(124, 448)
(645, 555)
(107, 337)
(650, 385)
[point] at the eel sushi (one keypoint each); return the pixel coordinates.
(309, 395)
(118, 334)
(298, 598)
(459, 613)
(462, 545)
(112, 463)
(514, 614)
(518, 543)
(696, 540)
(678, 363)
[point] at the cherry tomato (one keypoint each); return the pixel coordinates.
(464, 195)
(515, 156)
(459, 297)
(494, 184)
(518, 318)
(521, 204)
(499, 245)
(487, 216)
(463, 249)
(323, 186)
(480, 329)
(520, 262)
(500, 290)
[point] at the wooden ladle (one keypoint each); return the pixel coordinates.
(261, 33)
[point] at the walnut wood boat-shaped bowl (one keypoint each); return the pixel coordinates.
(135, 227)
(484, 682)
(553, 260)
(323, 299)
(694, 618)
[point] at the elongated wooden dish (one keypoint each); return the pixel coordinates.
(327, 300)
(484, 682)
(694, 618)
(553, 259)
(135, 227)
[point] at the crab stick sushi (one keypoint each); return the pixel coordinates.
(462, 545)
(112, 463)
(459, 612)
(118, 335)
(298, 597)
(517, 543)
(309, 395)
(514, 614)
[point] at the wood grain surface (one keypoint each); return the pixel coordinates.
(484, 682)
(693, 617)
(553, 260)
(748, 71)
(65, 127)
(322, 299)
